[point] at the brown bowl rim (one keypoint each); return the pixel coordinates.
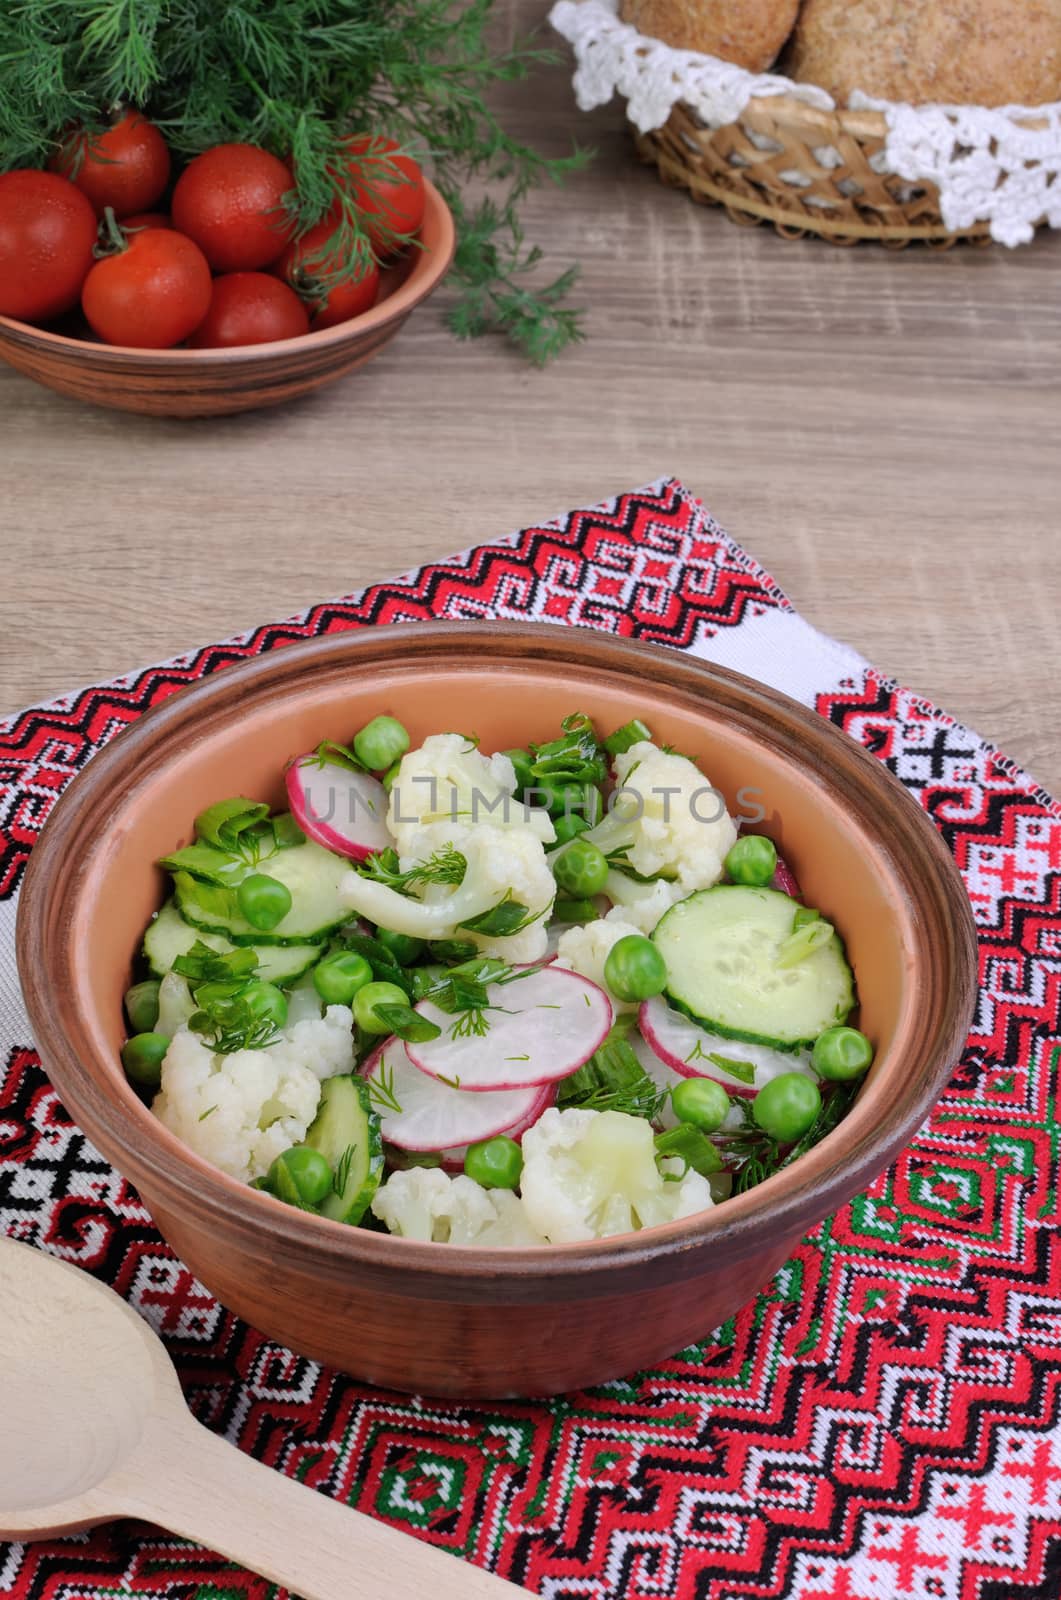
(841, 1163)
(426, 273)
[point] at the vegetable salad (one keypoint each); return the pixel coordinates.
(536, 996)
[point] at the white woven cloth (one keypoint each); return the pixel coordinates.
(989, 163)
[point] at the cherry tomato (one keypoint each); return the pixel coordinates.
(147, 219)
(47, 236)
(386, 185)
(126, 167)
(152, 294)
(250, 308)
(308, 259)
(229, 200)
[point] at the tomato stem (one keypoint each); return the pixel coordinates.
(112, 240)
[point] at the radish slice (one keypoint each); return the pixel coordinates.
(784, 880)
(687, 1049)
(453, 1160)
(343, 810)
(434, 1116)
(539, 1028)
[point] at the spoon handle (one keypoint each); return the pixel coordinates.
(195, 1484)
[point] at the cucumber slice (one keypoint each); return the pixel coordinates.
(721, 948)
(311, 873)
(169, 936)
(346, 1132)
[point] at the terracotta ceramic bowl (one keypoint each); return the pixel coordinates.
(206, 383)
(433, 1318)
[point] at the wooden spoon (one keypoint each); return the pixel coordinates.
(94, 1426)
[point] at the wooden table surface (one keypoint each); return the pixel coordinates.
(880, 430)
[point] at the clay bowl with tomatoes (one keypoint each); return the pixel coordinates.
(201, 297)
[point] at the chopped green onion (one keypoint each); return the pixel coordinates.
(501, 920)
(690, 1145)
(328, 753)
(575, 911)
(803, 943)
(803, 917)
(407, 1023)
(631, 733)
(200, 964)
(452, 950)
(384, 967)
(742, 1070)
(286, 831)
(215, 901)
(205, 862)
(223, 824)
(612, 1080)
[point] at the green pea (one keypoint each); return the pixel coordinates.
(752, 861)
(787, 1107)
(495, 1163)
(523, 764)
(402, 946)
(372, 995)
(381, 743)
(569, 827)
(635, 970)
(263, 901)
(301, 1176)
(338, 978)
(581, 870)
(141, 1005)
(142, 1058)
(266, 1002)
(841, 1054)
(701, 1101)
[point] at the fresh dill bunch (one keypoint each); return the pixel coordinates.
(299, 77)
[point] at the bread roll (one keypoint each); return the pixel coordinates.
(748, 32)
(962, 52)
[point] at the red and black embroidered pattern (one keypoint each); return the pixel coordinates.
(881, 1420)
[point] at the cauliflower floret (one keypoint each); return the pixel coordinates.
(668, 818)
(323, 1044)
(426, 1203)
(448, 779)
(241, 1111)
(640, 903)
(503, 863)
(592, 1174)
(586, 947)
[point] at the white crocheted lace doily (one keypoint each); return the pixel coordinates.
(999, 165)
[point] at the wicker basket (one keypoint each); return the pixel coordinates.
(806, 171)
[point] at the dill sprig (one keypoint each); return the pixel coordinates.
(298, 77)
(381, 1091)
(446, 866)
(753, 1156)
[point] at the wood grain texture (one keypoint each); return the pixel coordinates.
(879, 430)
(535, 1320)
